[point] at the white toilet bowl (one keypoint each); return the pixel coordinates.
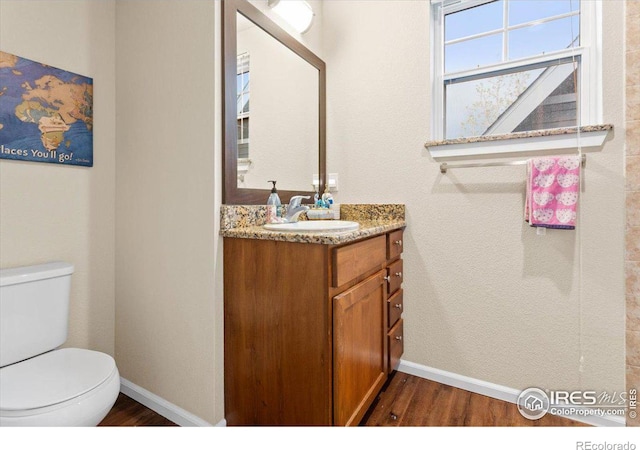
(41, 384)
(65, 387)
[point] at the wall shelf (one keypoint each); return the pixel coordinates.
(515, 144)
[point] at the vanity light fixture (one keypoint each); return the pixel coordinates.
(296, 13)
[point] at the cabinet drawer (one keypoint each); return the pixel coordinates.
(394, 244)
(394, 272)
(394, 305)
(353, 260)
(396, 345)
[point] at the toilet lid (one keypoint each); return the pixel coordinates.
(52, 378)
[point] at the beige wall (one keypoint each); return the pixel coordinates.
(53, 212)
(632, 263)
(166, 317)
(485, 296)
(169, 289)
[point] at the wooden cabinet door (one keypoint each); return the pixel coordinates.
(359, 348)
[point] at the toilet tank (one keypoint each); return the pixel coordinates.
(34, 310)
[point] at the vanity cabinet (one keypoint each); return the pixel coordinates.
(312, 331)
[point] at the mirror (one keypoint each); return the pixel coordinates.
(274, 109)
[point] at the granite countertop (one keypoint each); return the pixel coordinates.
(520, 135)
(246, 222)
(367, 228)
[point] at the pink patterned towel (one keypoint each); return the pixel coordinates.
(553, 185)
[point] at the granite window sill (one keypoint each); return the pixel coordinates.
(514, 144)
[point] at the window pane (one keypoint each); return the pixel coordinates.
(243, 104)
(245, 129)
(544, 38)
(243, 150)
(471, 54)
(245, 81)
(522, 101)
(472, 21)
(243, 107)
(558, 110)
(522, 11)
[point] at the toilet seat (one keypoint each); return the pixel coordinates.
(63, 387)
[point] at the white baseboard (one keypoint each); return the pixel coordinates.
(166, 409)
(492, 390)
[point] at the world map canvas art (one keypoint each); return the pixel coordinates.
(46, 114)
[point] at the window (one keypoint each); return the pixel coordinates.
(504, 66)
(243, 97)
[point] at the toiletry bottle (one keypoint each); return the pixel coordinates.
(271, 214)
(327, 198)
(274, 198)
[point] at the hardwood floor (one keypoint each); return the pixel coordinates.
(129, 413)
(412, 401)
(406, 400)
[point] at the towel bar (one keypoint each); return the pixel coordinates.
(444, 166)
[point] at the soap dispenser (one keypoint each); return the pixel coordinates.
(274, 198)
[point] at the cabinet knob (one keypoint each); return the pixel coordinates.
(398, 305)
(398, 338)
(398, 242)
(399, 274)
(387, 279)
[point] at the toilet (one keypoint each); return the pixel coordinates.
(41, 385)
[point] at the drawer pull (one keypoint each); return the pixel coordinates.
(398, 305)
(398, 338)
(398, 242)
(399, 274)
(393, 416)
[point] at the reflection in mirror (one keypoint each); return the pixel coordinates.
(274, 109)
(278, 106)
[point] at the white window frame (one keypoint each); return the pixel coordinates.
(589, 52)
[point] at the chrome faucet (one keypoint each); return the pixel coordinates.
(295, 208)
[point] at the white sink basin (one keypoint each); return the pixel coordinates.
(308, 226)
